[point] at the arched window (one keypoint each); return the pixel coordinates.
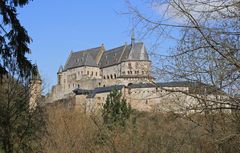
(104, 77)
(107, 76)
(129, 84)
(111, 76)
(115, 76)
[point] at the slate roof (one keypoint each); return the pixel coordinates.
(111, 57)
(124, 53)
(194, 88)
(161, 84)
(135, 51)
(92, 93)
(83, 58)
(138, 52)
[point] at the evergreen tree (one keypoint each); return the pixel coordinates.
(14, 39)
(116, 110)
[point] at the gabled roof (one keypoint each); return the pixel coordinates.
(135, 51)
(138, 52)
(112, 57)
(96, 57)
(83, 58)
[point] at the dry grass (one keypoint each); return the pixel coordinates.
(74, 132)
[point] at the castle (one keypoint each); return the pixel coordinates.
(97, 67)
(90, 75)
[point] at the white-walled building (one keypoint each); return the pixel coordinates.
(90, 75)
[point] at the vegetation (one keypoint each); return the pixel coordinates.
(206, 36)
(21, 126)
(75, 131)
(207, 51)
(116, 110)
(14, 39)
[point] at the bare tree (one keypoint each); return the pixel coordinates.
(21, 127)
(207, 43)
(206, 51)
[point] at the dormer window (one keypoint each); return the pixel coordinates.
(129, 65)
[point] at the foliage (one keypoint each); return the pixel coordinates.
(116, 110)
(75, 131)
(20, 127)
(14, 39)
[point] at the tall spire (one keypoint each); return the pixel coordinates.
(133, 37)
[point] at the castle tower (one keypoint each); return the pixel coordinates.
(35, 89)
(60, 70)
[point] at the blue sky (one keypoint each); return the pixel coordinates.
(59, 26)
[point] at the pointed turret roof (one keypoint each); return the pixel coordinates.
(36, 75)
(60, 69)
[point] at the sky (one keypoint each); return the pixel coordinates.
(59, 26)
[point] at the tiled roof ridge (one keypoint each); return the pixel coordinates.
(87, 50)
